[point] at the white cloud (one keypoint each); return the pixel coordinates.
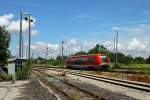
(74, 45)
(39, 49)
(43, 45)
(34, 32)
(115, 28)
(6, 19)
(40, 45)
(137, 48)
(33, 47)
(136, 45)
(110, 45)
(13, 26)
(53, 46)
(72, 41)
(135, 30)
(135, 39)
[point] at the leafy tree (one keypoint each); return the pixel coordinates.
(98, 49)
(4, 45)
(58, 60)
(111, 56)
(121, 58)
(139, 60)
(148, 60)
(50, 61)
(94, 50)
(40, 58)
(128, 59)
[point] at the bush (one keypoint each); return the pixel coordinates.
(23, 73)
(5, 76)
(116, 66)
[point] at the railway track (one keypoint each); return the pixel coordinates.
(56, 90)
(121, 70)
(129, 84)
(125, 83)
(86, 95)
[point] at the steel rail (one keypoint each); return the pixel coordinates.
(114, 79)
(116, 82)
(125, 83)
(122, 70)
(79, 88)
(65, 94)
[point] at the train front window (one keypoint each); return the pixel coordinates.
(104, 58)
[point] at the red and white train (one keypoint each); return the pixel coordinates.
(93, 61)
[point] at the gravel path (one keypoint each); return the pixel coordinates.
(35, 91)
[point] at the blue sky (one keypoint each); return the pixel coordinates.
(84, 21)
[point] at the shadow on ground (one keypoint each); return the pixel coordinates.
(34, 91)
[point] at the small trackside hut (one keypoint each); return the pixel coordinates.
(14, 65)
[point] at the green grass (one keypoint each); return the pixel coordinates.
(140, 68)
(136, 66)
(76, 95)
(23, 73)
(132, 66)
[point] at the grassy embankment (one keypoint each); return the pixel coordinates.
(139, 68)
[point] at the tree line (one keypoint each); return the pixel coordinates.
(122, 58)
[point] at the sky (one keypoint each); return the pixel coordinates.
(77, 22)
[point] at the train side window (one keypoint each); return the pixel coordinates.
(91, 60)
(104, 58)
(78, 61)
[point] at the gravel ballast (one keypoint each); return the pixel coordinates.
(35, 91)
(100, 92)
